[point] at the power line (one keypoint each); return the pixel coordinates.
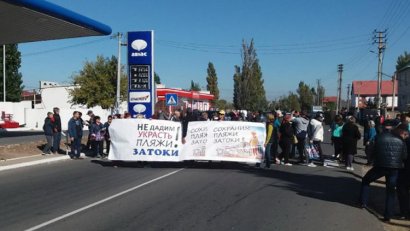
(65, 47)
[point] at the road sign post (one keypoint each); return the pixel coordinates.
(171, 99)
(141, 85)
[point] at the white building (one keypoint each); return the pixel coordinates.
(52, 96)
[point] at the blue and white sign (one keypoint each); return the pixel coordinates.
(141, 87)
(171, 99)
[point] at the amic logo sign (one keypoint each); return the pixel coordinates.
(139, 45)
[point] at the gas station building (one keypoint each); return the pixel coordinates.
(197, 100)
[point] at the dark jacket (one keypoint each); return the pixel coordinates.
(75, 128)
(48, 127)
(57, 122)
(390, 151)
(286, 132)
(350, 136)
(98, 131)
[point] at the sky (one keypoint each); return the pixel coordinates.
(299, 40)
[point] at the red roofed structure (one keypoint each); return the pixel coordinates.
(200, 100)
(330, 99)
(365, 90)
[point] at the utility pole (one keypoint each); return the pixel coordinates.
(394, 93)
(118, 93)
(348, 97)
(380, 39)
(4, 73)
(317, 92)
(339, 89)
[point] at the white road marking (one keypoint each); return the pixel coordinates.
(100, 202)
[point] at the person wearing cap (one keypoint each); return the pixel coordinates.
(389, 154)
(221, 115)
(57, 131)
(350, 136)
(48, 129)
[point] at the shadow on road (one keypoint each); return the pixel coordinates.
(5, 134)
(337, 189)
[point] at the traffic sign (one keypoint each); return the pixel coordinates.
(171, 99)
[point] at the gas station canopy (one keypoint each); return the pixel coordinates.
(39, 20)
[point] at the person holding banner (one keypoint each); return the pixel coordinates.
(286, 137)
(107, 134)
(221, 115)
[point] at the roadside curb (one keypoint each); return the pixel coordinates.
(35, 162)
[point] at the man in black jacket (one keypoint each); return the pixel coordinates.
(57, 131)
(390, 152)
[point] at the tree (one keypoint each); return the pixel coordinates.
(321, 94)
(331, 106)
(212, 80)
(237, 88)
(97, 83)
(224, 105)
(195, 86)
(249, 91)
(287, 102)
(305, 96)
(157, 79)
(14, 82)
(402, 61)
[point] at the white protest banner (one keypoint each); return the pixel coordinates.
(145, 140)
(225, 141)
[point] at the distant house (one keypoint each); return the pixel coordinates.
(31, 96)
(366, 90)
(403, 78)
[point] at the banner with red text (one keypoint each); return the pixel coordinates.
(225, 141)
(145, 140)
(160, 140)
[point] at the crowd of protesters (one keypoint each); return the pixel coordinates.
(98, 134)
(386, 143)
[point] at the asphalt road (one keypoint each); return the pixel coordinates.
(201, 197)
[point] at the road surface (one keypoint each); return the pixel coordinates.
(92, 195)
